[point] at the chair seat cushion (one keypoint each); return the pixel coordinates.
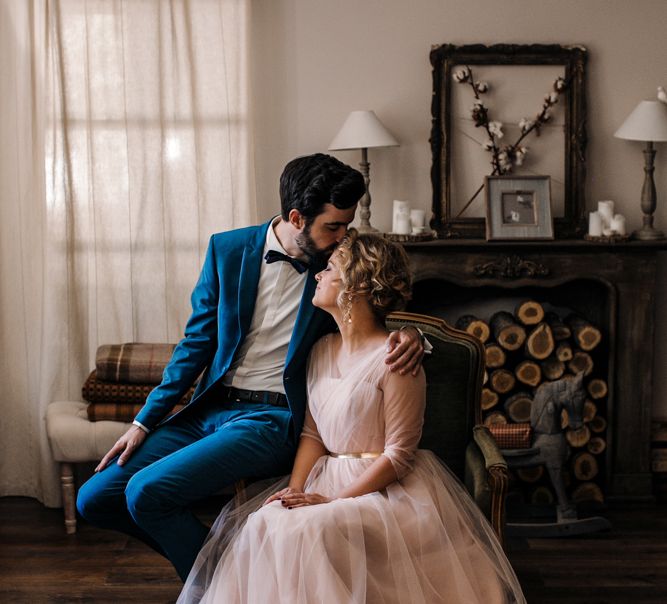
(512, 436)
(76, 439)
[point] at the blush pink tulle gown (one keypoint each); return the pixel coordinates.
(420, 540)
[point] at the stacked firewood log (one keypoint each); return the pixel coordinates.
(525, 348)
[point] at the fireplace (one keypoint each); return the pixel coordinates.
(612, 285)
(520, 373)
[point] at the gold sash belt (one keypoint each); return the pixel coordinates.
(369, 455)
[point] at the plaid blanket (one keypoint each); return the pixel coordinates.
(118, 401)
(117, 412)
(132, 363)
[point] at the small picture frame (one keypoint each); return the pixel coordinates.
(518, 207)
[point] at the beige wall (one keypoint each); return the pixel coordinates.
(316, 60)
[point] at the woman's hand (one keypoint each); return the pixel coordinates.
(279, 494)
(299, 500)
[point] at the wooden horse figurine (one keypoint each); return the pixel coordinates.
(550, 447)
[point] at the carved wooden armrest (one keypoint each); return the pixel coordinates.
(498, 477)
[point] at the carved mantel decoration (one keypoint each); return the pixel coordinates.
(511, 267)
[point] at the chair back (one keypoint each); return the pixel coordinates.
(454, 380)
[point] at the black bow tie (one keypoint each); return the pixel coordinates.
(274, 256)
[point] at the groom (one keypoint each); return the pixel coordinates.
(250, 332)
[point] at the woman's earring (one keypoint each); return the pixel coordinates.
(347, 311)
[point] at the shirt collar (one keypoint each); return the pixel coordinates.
(272, 242)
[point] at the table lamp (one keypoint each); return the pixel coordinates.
(363, 130)
(648, 123)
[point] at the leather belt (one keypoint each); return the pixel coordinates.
(278, 399)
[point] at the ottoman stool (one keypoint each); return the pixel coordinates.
(75, 439)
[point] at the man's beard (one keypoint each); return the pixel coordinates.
(310, 249)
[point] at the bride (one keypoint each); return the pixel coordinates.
(365, 515)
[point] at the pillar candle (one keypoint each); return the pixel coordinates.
(417, 218)
(618, 224)
(401, 217)
(595, 224)
(606, 210)
(402, 224)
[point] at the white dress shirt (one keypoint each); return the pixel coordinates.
(260, 359)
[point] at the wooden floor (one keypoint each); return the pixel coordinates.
(39, 563)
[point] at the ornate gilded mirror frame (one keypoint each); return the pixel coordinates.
(445, 59)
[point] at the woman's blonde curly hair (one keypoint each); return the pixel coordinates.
(375, 268)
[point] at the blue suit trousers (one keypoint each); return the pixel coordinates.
(194, 455)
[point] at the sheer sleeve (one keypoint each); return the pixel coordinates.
(310, 428)
(404, 404)
(313, 373)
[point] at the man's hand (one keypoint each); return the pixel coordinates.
(405, 351)
(125, 445)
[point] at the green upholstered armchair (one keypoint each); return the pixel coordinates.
(452, 425)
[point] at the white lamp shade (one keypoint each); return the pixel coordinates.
(362, 129)
(648, 122)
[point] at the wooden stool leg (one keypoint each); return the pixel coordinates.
(69, 496)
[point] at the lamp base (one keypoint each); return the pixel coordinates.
(367, 228)
(647, 233)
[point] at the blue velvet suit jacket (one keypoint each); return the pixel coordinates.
(223, 302)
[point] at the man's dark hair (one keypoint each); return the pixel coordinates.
(308, 182)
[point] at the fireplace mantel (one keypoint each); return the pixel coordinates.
(627, 271)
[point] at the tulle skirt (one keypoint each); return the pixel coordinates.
(421, 540)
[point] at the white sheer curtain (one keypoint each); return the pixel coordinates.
(130, 144)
